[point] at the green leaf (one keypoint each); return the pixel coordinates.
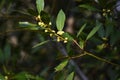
(20, 76)
(81, 43)
(60, 75)
(2, 77)
(109, 27)
(32, 12)
(94, 30)
(61, 66)
(89, 7)
(70, 76)
(28, 25)
(101, 32)
(39, 78)
(45, 17)
(39, 44)
(60, 20)
(114, 38)
(81, 29)
(40, 5)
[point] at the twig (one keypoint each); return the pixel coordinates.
(78, 70)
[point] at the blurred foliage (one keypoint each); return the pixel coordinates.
(30, 51)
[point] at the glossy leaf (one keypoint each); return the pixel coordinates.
(70, 76)
(40, 5)
(60, 20)
(93, 31)
(81, 29)
(61, 66)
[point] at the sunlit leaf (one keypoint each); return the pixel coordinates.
(81, 29)
(70, 76)
(40, 5)
(61, 66)
(42, 43)
(93, 31)
(60, 20)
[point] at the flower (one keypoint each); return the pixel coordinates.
(58, 39)
(60, 32)
(65, 41)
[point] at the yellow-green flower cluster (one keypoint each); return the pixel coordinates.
(52, 33)
(106, 11)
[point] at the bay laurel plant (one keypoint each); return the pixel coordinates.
(59, 35)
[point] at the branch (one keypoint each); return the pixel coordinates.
(72, 62)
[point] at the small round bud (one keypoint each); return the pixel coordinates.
(66, 38)
(104, 14)
(38, 16)
(46, 30)
(39, 23)
(51, 35)
(58, 39)
(60, 32)
(108, 10)
(65, 41)
(6, 77)
(103, 10)
(53, 31)
(50, 23)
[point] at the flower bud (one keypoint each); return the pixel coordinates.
(60, 32)
(58, 39)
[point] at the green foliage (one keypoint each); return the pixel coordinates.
(60, 20)
(81, 29)
(28, 25)
(91, 37)
(94, 30)
(40, 5)
(42, 43)
(70, 76)
(2, 77)
(45, 17)
(88, 7)
(61, 65)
